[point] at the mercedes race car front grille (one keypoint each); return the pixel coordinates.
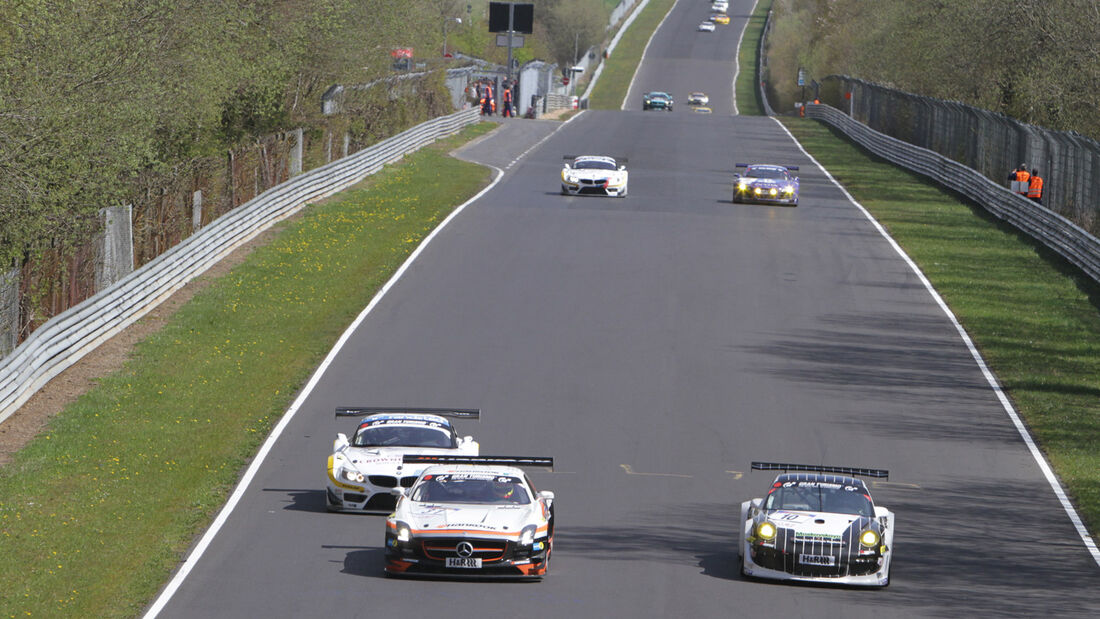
(441, 549)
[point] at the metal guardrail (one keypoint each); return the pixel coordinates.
(1054, 231)
(67, 337)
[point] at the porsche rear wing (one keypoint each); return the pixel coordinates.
(573, 157)
(454, 413)
(815, 468)
(496, 460)
(792, 168)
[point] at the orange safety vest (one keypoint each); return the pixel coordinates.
(508, 96)
(1035, 189)
(1023, 175)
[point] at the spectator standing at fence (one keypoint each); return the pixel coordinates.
(507, 112)
(1035, 187)
(1019, 180)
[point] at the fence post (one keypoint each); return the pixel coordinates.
(9, 311)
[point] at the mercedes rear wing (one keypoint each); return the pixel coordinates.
(815, 468)
(489, 460)
(454, 413)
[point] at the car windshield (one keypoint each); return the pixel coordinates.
(593, 164)
(482, 489)
(813, 496)
(775, 173)
(404, 436)
(658, 95)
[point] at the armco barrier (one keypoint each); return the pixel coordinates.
(1049, 228)
(67, 337)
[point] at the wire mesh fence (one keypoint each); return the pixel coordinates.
(990, 143)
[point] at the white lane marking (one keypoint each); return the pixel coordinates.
(631, 471)
(737, 59)
(736, 474)
(539, 143)
(210, 533)
(641, 61)
(1006, 404)
(894, 484)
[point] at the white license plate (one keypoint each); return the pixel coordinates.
(817, 559)
(465, 562)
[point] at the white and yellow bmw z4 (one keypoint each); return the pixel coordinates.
(594, 175)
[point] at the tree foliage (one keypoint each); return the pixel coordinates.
(1034, 60)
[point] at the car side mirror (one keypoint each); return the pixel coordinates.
(467, 439)
(565, 166)
(340, 442)
(622, 168)
(756, 503)
(546, 495)
(736, 175)
(397, 492)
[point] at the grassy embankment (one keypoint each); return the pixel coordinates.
(619, 69)
(1035, 318)
(96, 511)
(746, 90)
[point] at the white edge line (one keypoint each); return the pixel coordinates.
(539, 143)
(737, 59)
(1044, 466)
(644, 51)
(258, 461)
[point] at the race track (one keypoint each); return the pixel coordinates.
(654, 346)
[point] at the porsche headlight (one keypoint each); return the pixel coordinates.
(404, 533)
(742, 186)
(766, 530)
(353, 476)
(869, 538)
(788, 189)
(773, 191)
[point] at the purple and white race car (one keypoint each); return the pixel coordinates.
(769, 184)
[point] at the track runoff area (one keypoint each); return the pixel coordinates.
(654, 346)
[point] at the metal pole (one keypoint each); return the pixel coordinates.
(511, 31)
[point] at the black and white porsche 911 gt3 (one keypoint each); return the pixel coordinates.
(819, 525)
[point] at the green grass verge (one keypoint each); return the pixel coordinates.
(96, 511)
(619, 69)
(748, 95)
(1035, 318)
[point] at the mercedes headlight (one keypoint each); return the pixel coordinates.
(353, 476)
(527, 537)
(869, 538)
(766, 530)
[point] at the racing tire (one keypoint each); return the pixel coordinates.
(622, 194)
(741, 563)
(564, 192)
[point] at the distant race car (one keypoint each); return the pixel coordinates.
(719, 6)
(594, 174)
(702, 109)
(819, 526)
(707, 26)
(720, 18)
(698, 98)
(772, 184)
(362, 471)
(471, 516)
(657, 100)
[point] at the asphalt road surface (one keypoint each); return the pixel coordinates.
(654, 346)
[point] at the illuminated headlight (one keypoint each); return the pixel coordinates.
(773, 191)
(528, 536)
(742, 186)
(766, 530)
(404, 534)
(869, 538)
(788, 189)
(757, 190)
(354, 476)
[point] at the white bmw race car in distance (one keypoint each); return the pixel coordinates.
(819, 526)
(471, 517)
(362, 471)
(594, 174)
